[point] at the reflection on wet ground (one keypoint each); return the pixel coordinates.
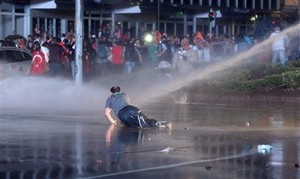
(207, 141)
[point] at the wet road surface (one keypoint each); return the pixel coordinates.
(206, 141)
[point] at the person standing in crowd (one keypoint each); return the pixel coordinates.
(131, 55)
(71, 55)
(93, 41)
(63, 37)
(198, 47)
(278, 46)
(55, 54)
(117, 61)
(89, 55)
(44, 49)
(206, 52)
(118, 33)
(104, 55)
(29, 38)
(100, 32)
(29, 45)
(38, 65)
(141, 34)
(106, 31)
(185, 58)
(21, 43)
(37, 32)
(164, 50)
(241, 44)
(64, 58)
(152, 54)
(129, 115)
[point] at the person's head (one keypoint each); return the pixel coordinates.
(54, 40)
(185, 43)
(30, 44)
(115, 89)
(36, 46)
(65, 41)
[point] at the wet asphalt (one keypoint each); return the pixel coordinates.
(205, 141)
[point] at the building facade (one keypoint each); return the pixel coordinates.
(176, 17)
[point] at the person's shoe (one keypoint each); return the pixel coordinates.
(163, 124)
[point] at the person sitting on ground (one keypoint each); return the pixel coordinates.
(129, 115)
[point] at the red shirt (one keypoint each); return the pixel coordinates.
(117, 54)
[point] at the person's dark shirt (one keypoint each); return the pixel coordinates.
(55, 53)
(71, 51)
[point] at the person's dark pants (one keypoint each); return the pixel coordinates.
(103, 68)
(131, 116)
(55, 69)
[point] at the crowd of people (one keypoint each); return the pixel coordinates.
(105, 54)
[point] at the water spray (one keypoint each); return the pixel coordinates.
(189, 78)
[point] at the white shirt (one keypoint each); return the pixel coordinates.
(45, 50)
(279, 41)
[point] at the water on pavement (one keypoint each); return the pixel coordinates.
(206, 141)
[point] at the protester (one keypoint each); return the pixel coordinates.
(131, 56)
(71, 55)
(198, 47)
(242, 43)
(85, 58)
(89, 59)
(164, 50)
(117, 33)
(38, 64)
(129, 115)
(55, 54)
(104, 55)
(29, 46)
(278, 46)
(185, 58)
(117, 61)
(64, 58)
(206, 52)
(151, 48)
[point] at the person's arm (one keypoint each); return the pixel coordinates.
(139, 55)
(108, 116)
(108, 134)
(164, 49)
(175, 61)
